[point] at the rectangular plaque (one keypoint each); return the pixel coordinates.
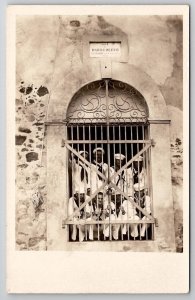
(102, 49)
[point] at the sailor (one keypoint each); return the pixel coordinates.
(98, 165)
(72, 206)
(110, 215)
(123, 180)
(128, 212)
(98, 214)
(83, 215)
(143, 200)
(98, 205)
(103, 211)
(80, 174)
(139, 172)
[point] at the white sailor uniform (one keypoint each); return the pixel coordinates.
(140, 180)
(83, 229)
(124, 181)
(96, 180)
(128, 212)
(145, 203)
(80, 177)
(110, 214)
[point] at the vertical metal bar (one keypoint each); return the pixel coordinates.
(115, 180)
(89, 127)
(71, 131)
(108, 152)
(96, 155)
(121, 182)
(101, 137)
(96, 176)
(85, 188)
(90, 155)
(78, 149)
(145, 176)
(127, 187)
(104, 193)
(137, 135)
(83, 138)
(150, 178)
(132, 155)
(67, 181)
(72, 167)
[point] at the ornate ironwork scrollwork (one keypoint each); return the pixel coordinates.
(123, 102)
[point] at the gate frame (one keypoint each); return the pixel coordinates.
(160, 154)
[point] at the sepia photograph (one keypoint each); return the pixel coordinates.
(99, 132)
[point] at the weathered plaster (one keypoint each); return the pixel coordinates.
(172, 89)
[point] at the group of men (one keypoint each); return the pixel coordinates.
(103, 196)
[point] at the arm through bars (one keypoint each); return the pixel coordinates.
(85, 161)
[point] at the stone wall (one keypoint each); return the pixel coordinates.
(31, 104)
(177, 185)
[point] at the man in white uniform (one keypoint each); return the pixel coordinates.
(124, 181)
(98, 165)
(143, 200)
(98, 215)
(128, 212)
(110, 215)
(80, 174)
(83, 215)
(102, 211)
(139, 173)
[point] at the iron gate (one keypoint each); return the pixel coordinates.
(109, 178)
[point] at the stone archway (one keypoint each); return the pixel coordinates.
(160, 154)
(131, 75)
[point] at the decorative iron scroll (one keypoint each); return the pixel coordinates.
(122, 103)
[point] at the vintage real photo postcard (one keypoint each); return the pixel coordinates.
(97, 177)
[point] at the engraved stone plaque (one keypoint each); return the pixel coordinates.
(105, 49)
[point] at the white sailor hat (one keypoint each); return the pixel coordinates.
(139, 158)
(98, 149)
(83, 152)
(138, 187)
(119, 156)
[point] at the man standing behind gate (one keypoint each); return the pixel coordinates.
(123, 181)
(124, 184)
(98, 161)
(80, 174)
(139, 173)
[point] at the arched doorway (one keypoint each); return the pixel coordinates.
(108, 143)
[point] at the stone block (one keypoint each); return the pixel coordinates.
(38, 123)
(19, 139)
(31, 156)
(31, 101)
(24, 129)
(42, 91)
